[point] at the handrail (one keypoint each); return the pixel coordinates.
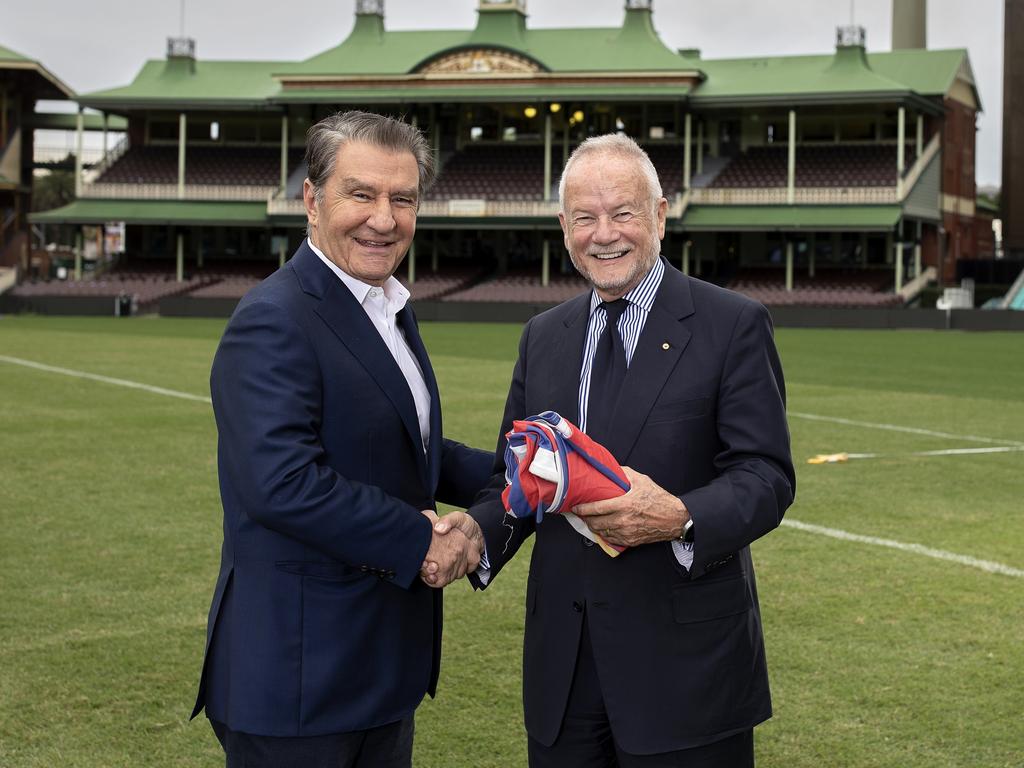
(115, 154)
(920, 164)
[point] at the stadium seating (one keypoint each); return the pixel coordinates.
(829, 288)
(229, 166)
(817, 165)
(516, 172)
(524, 289)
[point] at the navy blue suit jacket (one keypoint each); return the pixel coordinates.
(319, 622)
(702, 412)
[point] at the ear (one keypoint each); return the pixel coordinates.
(565, 230)
(309, 201)
(662, 213)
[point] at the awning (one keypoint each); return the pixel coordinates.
(811, 218)
(166, 212)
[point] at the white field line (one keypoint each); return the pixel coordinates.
(910, 430)
(835, 533)
(104, 379)
(944, 452)
(971, 562)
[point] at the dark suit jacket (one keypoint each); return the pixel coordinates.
(702, 411)
(319, 623)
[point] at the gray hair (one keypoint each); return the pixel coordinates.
(617, 144)
(324, 139)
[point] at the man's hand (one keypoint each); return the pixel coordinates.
(455, 549)
(645, 514)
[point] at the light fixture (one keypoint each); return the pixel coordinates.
(530, 112)
(578, 115)
(555, 106)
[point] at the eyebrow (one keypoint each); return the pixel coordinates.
(350, 183)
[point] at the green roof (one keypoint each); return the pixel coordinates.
(6, 54)
(215, 84)
(819, 218)
(370, 49)
(848, 72)
(51, 86)
(370, 66)
(180, 212)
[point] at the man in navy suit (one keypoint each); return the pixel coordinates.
(655, 657)
(322, 637)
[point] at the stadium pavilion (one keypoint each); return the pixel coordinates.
(842, 179)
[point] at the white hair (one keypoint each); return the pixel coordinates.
(619, 145)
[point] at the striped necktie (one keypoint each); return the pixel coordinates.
(607, 372)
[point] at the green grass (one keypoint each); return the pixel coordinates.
(110, 536)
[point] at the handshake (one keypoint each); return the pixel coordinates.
(455, 549)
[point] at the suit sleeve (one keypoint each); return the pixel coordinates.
(267, 392)
(503, 533)
(464, 472)
(755, 481)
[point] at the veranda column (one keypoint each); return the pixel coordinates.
(182, 123)
(812, 247)
(901, 150)
(898, 257)
(180, 259)
(917, 249)
(686, 257)
(687, 128)
(412, 262)
(78, 253)
(789, 265)
(547, 160)
(700, 147)
(545, 263)
(284, 154)
(791, 159)
(79, 130)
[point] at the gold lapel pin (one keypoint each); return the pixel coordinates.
(665, 345)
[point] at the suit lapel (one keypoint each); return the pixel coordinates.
(661, 345)
(567, 358)
(407, 321)
(348, 321)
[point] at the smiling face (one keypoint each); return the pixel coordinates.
(366, 218)
(613, 228)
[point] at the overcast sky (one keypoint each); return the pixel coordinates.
(96, 44)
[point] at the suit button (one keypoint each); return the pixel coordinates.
(364, 568)
(577, 606)
(588, 543)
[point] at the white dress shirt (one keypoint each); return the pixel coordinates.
(382, 306)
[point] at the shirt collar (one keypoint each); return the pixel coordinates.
(396, 294)
(644, 292)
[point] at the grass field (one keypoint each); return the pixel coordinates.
(110, 536)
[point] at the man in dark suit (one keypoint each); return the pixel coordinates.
(655, 657)
(322, 637)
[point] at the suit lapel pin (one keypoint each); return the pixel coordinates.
(665, 345)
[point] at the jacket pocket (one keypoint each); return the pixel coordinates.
(678, 410)
(706, 600)
(320, 570)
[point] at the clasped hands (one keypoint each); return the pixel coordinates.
(456, 545)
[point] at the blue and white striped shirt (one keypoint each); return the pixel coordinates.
(631, 325)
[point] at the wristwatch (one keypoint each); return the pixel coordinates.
(687, 534)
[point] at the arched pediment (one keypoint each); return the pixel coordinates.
(479, 61)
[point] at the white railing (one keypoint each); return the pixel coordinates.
(481, 208)
(801, 196)
(285, 206)
(57, 153)
(108, 191)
